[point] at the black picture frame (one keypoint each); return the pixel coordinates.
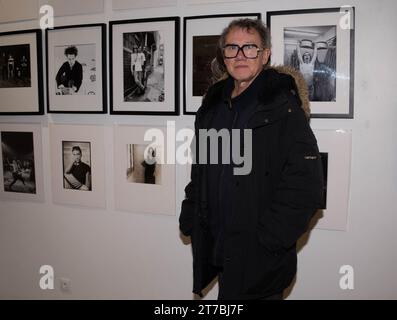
(331, 84)
(189, 98)
(159, 38)
(26, 83)
(94, 99)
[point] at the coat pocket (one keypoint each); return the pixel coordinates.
(265, 270)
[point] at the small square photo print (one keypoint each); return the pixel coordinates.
(143, 165)
(77, 165)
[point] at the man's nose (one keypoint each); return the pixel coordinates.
(240, 54)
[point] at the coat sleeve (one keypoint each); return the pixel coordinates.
(299, 192)
(79, 76)
(188, 209)
(60, 72)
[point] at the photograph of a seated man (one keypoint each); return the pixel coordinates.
(77, 174)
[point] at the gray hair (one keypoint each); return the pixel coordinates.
(245, 24)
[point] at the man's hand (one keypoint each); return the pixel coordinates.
(84, 188)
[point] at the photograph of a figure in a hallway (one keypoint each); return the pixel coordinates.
(312, 51)
(142, 164)
(18, 162)
(15, 66)
(143, 66)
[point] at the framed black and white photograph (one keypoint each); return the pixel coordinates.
(320, 44)
(144, 179)
(76, 69)
(335, 150)
(144, 73)
(21, 173)
(78, 165)
(21, 75)
(201, 35)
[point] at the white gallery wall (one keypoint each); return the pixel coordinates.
(111, 254)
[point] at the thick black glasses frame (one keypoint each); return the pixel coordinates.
(242, 50)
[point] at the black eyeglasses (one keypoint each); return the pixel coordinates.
(250, 51)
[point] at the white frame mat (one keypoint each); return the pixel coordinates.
(96, 197)
(142, 197)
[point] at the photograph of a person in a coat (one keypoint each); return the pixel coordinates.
(70, 75)
(244, 228)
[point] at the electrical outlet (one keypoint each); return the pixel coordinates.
(65, 284)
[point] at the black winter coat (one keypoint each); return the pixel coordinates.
(272, 205)
(70, 76)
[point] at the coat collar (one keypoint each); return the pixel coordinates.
(276, 83)
(275, 79)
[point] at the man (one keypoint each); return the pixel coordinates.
(70, 74)
(24, 67)
(11, 67)
(77, 174)
(244, 228)
(149, 165)
(3, 66)
(306, 67)
(16, 173)
(139, 69)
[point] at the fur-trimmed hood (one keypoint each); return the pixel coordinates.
(300, 85)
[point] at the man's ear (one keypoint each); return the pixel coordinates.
(266, 56)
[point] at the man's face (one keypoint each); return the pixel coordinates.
(321, 55)
(76, 156)
(241, 68)
(71, 59)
